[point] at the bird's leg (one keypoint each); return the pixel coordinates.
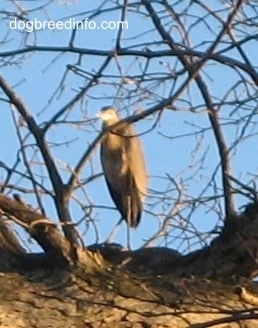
(129, 221)
(114, 230)
(128, 237)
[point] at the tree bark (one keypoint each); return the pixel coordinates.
(107, 286)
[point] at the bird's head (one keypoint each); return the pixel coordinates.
(108, 115)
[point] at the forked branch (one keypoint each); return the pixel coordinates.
(60, 198)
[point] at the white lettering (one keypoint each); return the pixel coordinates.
(69, 24)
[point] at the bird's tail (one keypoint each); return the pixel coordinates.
(134, 210)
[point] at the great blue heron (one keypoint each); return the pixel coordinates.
(123, 167)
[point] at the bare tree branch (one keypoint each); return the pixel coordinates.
(60, 198)
(39, 227)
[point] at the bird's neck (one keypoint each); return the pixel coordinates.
(113, 141)
(110, 122)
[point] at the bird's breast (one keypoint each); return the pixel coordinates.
(113, 142)
(114, 161)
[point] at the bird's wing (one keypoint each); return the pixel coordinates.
(121, 183)
(125, 173)
(127, 202)
(136, 163)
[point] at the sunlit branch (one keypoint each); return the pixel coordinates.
(61, 200)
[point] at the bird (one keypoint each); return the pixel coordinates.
(123, 166)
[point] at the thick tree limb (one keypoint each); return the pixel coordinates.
(99, 296)
(153, 287)
(39, 227)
